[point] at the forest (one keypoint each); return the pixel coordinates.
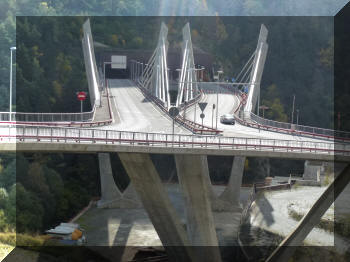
(50, 69)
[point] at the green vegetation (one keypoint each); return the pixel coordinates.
(325, 224)
(342, 226)
(13, 239)
(39, 191)
(49, 64)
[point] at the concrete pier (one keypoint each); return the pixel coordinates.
(155, 199)
(232, 191)
(111, 196)
(312, 170)
(192, 172)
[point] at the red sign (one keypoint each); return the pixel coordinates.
(81, 96)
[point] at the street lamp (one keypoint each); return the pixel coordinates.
(10, 116)
(217, 99)
(202, 72)
(297, 116)
(293, 109)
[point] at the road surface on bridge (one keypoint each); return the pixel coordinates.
(228, 103)
(133, 112)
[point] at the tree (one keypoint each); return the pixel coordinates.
(8, 175)
(3, 197)
(29, 210)
(276, 109)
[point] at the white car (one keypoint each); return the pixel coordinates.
(227, 119)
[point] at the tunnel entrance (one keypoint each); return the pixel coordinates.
(116, 73)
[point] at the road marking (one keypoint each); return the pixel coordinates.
(116, 108)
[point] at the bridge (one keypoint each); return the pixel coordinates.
(131, 117)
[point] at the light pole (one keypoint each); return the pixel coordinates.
(141, 69)
(293, 109)
(202, 68)
(10, 116)
(212, 117)
(104, 75)
(297, 116)
(217, 99)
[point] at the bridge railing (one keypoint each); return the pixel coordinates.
(267, 122)
(47, 117)
(75, 135)
(263, 123)
(304, 129)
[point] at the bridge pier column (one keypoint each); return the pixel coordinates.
(193, 175)
(156, 201)
(229, 199)
(111, 196)
(312, 170)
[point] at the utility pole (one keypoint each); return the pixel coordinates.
(293, 109)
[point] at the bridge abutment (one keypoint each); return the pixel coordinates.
(111, 196)
(193, 176)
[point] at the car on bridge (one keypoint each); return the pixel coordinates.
(227, 119)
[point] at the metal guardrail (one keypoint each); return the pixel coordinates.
(263, 123)
(301, 128)
(69, 135)
(47, 117)
(84, 119)
(190, 125)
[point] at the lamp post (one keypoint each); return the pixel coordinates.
(217, 99)
(297, 116)
(293, 109)
(202, 72)
(141, 70)
(104, 75)
(10, 116)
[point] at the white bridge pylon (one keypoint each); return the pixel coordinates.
(90, 65)
(252, 72)
(188, 87)
(155, 75)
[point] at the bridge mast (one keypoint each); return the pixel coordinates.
(186, 90)
(155, 76)
(257, 68)
(90, 65)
